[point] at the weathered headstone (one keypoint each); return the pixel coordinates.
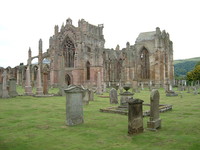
(4, 86)
(86, 97)
(74, 105)
(113, 96)
(12, 88)
(91, 95)
(135, 116)
(1, 91)
(155, 121)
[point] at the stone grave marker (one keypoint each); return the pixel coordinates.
(86, 97)
(91, 95)
(113, 96)
(155, 121)
(135, 116)
(4, 86)
(28, 88)
(74, 105)
(1, 91)
(12, 88)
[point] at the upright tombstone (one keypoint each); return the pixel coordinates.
(99, 88)
(113, 96)
(12, 88)
(91, 95)
(86, 97)
(4, 86)
(1, 90)
(74, 105)
(155, 121)
(28, 88)
(135, 116)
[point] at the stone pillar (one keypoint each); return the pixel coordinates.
(135, 116)
(18, 77)
(4, 86)
(12, 88)
(99, 88)
(39, 89)
(113, 96)
(155, 121)
(74, 105)
(28, 88)
(45, 80)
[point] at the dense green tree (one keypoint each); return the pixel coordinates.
(194, 75)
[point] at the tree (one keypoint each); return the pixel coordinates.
(194, 75)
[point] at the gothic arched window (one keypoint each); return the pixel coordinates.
(144, 58)
(88, 70)
(69, 52)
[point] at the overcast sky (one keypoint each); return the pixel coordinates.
(24, 22)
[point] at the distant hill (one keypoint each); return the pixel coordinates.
(182, 66)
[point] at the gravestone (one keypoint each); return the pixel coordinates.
(86, 97)
(91, 95)
(154, 122)
(1, 91)
(125, 96)
(12, 88)
(113, 96)
(135, 116)
(4, 86)
(62, 90)
(74, 105)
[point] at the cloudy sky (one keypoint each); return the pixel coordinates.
(24, 22)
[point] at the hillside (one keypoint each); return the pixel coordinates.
(181, 67)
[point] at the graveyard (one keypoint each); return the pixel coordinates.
(29, 122)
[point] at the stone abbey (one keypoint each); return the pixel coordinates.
(76, 55)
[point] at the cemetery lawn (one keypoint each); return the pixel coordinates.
(30, 123)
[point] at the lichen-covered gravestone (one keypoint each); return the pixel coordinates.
(4, 86)
(154, 122)
(86, 97)
(12, 88)
(74, 105)
(135, 116)
(113, 96)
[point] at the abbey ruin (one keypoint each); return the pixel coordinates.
(76, 55)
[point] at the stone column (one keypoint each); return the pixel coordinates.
(155, 121)
(113, 96)
(4, 86)
(28, 88)
(74, 105)
(135, 116)
(12, 88)
(39, 89)
(99, 88)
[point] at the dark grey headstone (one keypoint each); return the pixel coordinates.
(113, 96)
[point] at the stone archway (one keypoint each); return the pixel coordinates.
(88, 70)
(145, 65)
(68, 79)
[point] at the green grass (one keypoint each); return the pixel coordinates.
(30, 123)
